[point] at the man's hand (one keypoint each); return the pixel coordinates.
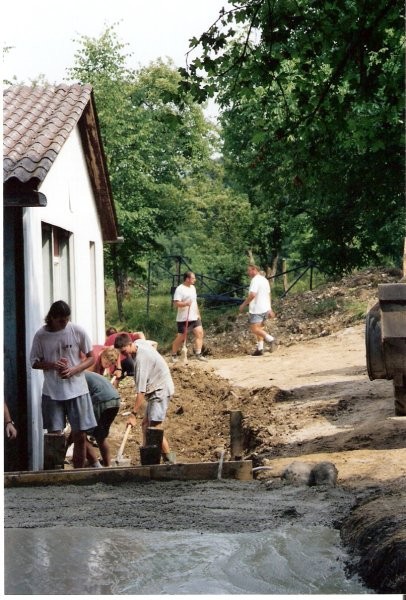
(118, 373)
(11, 431)
(64, 368)
(132, 420)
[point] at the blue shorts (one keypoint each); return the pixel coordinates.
(78, 411)
(191, 325)
(157, 405)
(260, 318)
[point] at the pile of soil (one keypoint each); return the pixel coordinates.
(311, 400)
(197, 422)
(317, 313)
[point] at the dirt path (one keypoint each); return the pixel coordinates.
(331, 359)
(337, 408)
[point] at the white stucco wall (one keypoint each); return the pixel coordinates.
(70, 206)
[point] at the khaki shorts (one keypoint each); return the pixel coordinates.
(157, 405)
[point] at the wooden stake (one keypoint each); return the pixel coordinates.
(236, 435)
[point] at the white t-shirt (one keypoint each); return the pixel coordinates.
(50, 346)
(183, 293)
(151, 370)
(262, 290)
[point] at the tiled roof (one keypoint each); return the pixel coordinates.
(36, 123)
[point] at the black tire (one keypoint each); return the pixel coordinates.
(400, 401)
(373, 345)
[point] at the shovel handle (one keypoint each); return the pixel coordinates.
(120, 452)
(186, 326)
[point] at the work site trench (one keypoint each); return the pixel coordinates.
(173, 537)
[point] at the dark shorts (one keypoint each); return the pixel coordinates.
(191, 325)
(127, 365)
(102, 430)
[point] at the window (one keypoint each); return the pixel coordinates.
(56, 264)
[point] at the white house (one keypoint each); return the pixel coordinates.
(58, 213)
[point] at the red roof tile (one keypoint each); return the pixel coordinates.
(37, 122)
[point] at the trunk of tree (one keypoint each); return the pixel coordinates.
(271, 269)
(119, 280)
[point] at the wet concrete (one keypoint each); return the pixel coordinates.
(220, 506)
(177, 537)
(95, 560)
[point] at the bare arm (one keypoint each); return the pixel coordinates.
(11, 431)
(246, 302)
(67, 371)
(139, 400)
(182, 303)
(46, 365)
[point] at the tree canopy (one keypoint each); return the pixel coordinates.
(166, 181)
(312, 97)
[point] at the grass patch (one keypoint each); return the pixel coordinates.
(356, 309)
(321, 308)
(159, 321)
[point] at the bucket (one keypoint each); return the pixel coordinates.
(150, 455)
(154, 437)
(54, 450)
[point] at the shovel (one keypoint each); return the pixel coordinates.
(120, 461)
(183, 352)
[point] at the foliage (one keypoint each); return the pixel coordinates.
(312, 96)
(154, 136)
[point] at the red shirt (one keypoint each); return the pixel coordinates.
(111, 339)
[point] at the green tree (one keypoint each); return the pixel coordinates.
(154, 136)
(215, 230)
(312, 96)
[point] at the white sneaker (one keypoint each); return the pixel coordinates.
(200, 357)
(174, 358)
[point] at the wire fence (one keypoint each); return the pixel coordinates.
(162, 278)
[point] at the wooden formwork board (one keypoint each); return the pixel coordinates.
(239, 469)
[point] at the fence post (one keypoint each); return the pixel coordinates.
(285, 275)
(179, 260)
(148, 286)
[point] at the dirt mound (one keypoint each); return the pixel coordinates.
(299, 317)
(198, 419)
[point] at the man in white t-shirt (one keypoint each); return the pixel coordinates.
(259, 308)
(58, 349)
(185, 299)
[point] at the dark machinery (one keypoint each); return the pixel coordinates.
(385, 339)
